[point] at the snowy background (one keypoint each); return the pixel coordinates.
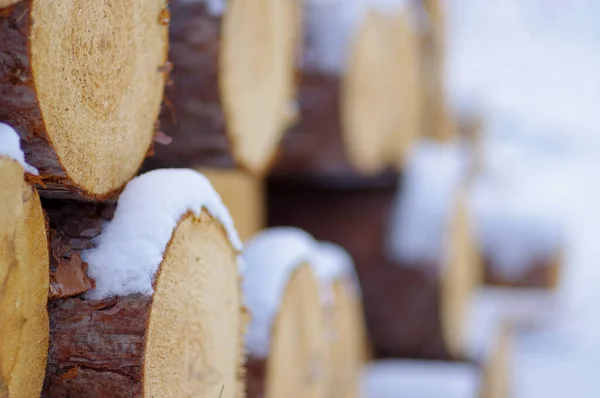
(533, 69)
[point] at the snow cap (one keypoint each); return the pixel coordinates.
(10, 146)
(130, 248)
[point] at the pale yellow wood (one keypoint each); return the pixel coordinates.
(243, 194)
(24, 329)
(195, 332)
(297, 363)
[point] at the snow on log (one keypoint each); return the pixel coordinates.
(359, 104)
(165, 316)
(232, 82)
(84, 103)
(287, 336)
(23, 277)
(410, 378)
(243, 194)
(416, 299)
(522, 239)
(334, 269)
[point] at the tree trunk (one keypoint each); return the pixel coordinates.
(412, 310)
(23, 285)
(85, 102)
(357, 114)
(243, 194)
(296, 364)
(232, 83)
(153, 346)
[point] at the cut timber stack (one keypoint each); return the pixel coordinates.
(82, 84)
(342, 303)
(232, 82)
(438, 119)
(359, 105)
(415, 307)
(164, 318)
(243, 194)
(287, 337)
(23, 276)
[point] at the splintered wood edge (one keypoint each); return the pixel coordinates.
(460, 277)
(11, 207)
(189, 348)
(243, 194)
(293, 365)
(23, 290)
(257, 77)
(99, 114)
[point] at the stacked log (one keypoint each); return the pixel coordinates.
(232, 83)
(344, 313)
(147, 328)
(357, 113)
(287, 335)
(82, 85)
(243, 194)
(414, 307)
(23, 275)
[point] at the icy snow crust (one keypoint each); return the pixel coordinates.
(130, 248)
(271, 257)
(329, 26)
(425, 202)
(10, 146)
(420, 379)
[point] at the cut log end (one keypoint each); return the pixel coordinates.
(381, 106)
(186, 340)
(23, 285)
(257, 76)
(296, 364)
(460, 278)
(85, 102)
(349, 346)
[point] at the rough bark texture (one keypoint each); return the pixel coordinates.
(96, 347)
(193, 116)
(256, 374)
(72, 227)
(402, 303)
(315, 145)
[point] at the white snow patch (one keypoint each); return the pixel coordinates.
(331, 263)
(270, 259)
(330, 25)
(420, 379)
(215, 8)
(130, 248)
(10, 146)
(516, 227)
(425, 201)
(493, 308)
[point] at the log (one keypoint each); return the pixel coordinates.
(165, 316)
(23, 284)
(85, 102)
(543, 272)
(232, 83)
(357, 113)
(342, 302)
(243, 194)
(287, 337)
(414, 308)
(438, 119)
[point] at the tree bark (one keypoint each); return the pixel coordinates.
(64, 123)
(211, 87)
